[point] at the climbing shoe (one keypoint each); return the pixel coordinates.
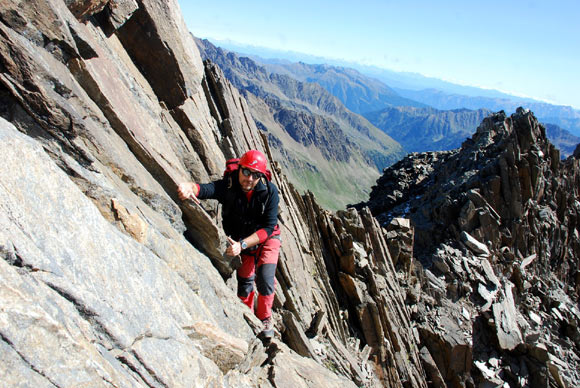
(268, 328)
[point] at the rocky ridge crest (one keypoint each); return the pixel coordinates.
(491, 258)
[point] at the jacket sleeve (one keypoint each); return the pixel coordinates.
(270, 218)
(213, 190)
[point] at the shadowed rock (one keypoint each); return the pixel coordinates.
(496, 237)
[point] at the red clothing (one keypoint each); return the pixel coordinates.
(263, 264)
(243, 214)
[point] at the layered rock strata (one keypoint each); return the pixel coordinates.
(107, 278)
(495, 286)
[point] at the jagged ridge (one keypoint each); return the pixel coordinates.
(497, 217)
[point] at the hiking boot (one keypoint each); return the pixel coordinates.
(268, 328)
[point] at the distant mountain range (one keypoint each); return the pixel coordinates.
(433, 92)
(395, 79)
(356, 91)
(564, 116)
(425, 120)
(428, 129)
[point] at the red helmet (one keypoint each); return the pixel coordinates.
(254, 160)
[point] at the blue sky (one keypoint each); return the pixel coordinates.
(527, 48)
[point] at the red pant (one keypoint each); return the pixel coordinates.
(261, 266)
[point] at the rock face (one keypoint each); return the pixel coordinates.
(106, 278)
(494, 285)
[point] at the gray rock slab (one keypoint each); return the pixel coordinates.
(472, 243)
(72, 280)
(505, 315)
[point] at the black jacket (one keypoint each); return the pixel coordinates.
(240, 217)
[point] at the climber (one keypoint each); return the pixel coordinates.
(249, 218)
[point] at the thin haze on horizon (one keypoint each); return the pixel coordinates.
(525, 48)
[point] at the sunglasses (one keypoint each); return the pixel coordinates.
(248, 172)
